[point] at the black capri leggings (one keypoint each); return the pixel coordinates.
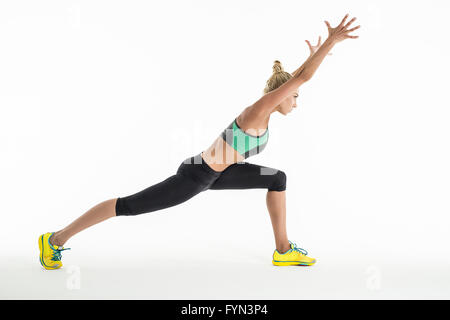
(194, 176)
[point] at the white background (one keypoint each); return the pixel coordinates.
(101, 99)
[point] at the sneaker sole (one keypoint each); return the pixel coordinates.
(291, 263)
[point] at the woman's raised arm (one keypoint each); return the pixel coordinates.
(269, 101)
(335, 35)
(312, 50)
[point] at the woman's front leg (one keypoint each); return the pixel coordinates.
(249, 176)
(276, 204)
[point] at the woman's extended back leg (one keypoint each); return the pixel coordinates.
(190, 179)
(172, 191)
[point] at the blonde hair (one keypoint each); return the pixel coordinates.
(279, 76)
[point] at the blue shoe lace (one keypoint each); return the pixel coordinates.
(56, 254)
(295, 248)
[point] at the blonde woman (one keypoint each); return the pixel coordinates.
(222, 165)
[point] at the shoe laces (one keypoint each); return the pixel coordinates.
(298, 249)
(56, 253)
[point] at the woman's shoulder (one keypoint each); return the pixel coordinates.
(251, 119)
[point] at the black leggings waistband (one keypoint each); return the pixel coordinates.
(197, 159)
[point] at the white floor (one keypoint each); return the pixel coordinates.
(199, 250)
(228, 274)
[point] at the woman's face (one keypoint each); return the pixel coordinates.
(288, 104)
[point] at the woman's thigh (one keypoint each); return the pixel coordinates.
(245, 175)
(172, 191)
(192, 177)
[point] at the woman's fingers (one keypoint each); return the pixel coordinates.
(340, 32)
(349, 23)
(311, 49)
(343, 20)
(353, 28)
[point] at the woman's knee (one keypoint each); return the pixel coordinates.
(122, 208)
(167, 193)
(279, 181)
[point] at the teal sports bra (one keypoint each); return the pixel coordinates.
(246, 144)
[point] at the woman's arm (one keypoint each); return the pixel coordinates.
(312, 50)
(335, 35)
(307, 70)
(265, 105)
(300, 69)
(271, 100)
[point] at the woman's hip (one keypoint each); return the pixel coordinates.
(196, 168)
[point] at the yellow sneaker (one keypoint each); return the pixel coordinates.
(49, 255)
(295, 256)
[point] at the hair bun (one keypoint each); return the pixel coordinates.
(277, 67)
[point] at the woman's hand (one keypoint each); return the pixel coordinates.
(341, 32)
(313, 49)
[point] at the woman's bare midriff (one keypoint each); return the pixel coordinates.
(220, 155)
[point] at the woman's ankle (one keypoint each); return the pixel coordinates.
(56, 240)
(284, 248)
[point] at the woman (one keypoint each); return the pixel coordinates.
(221, 166)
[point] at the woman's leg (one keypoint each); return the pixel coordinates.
(96, 214)
(244, 175)
(276, 204)
(189, 180)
